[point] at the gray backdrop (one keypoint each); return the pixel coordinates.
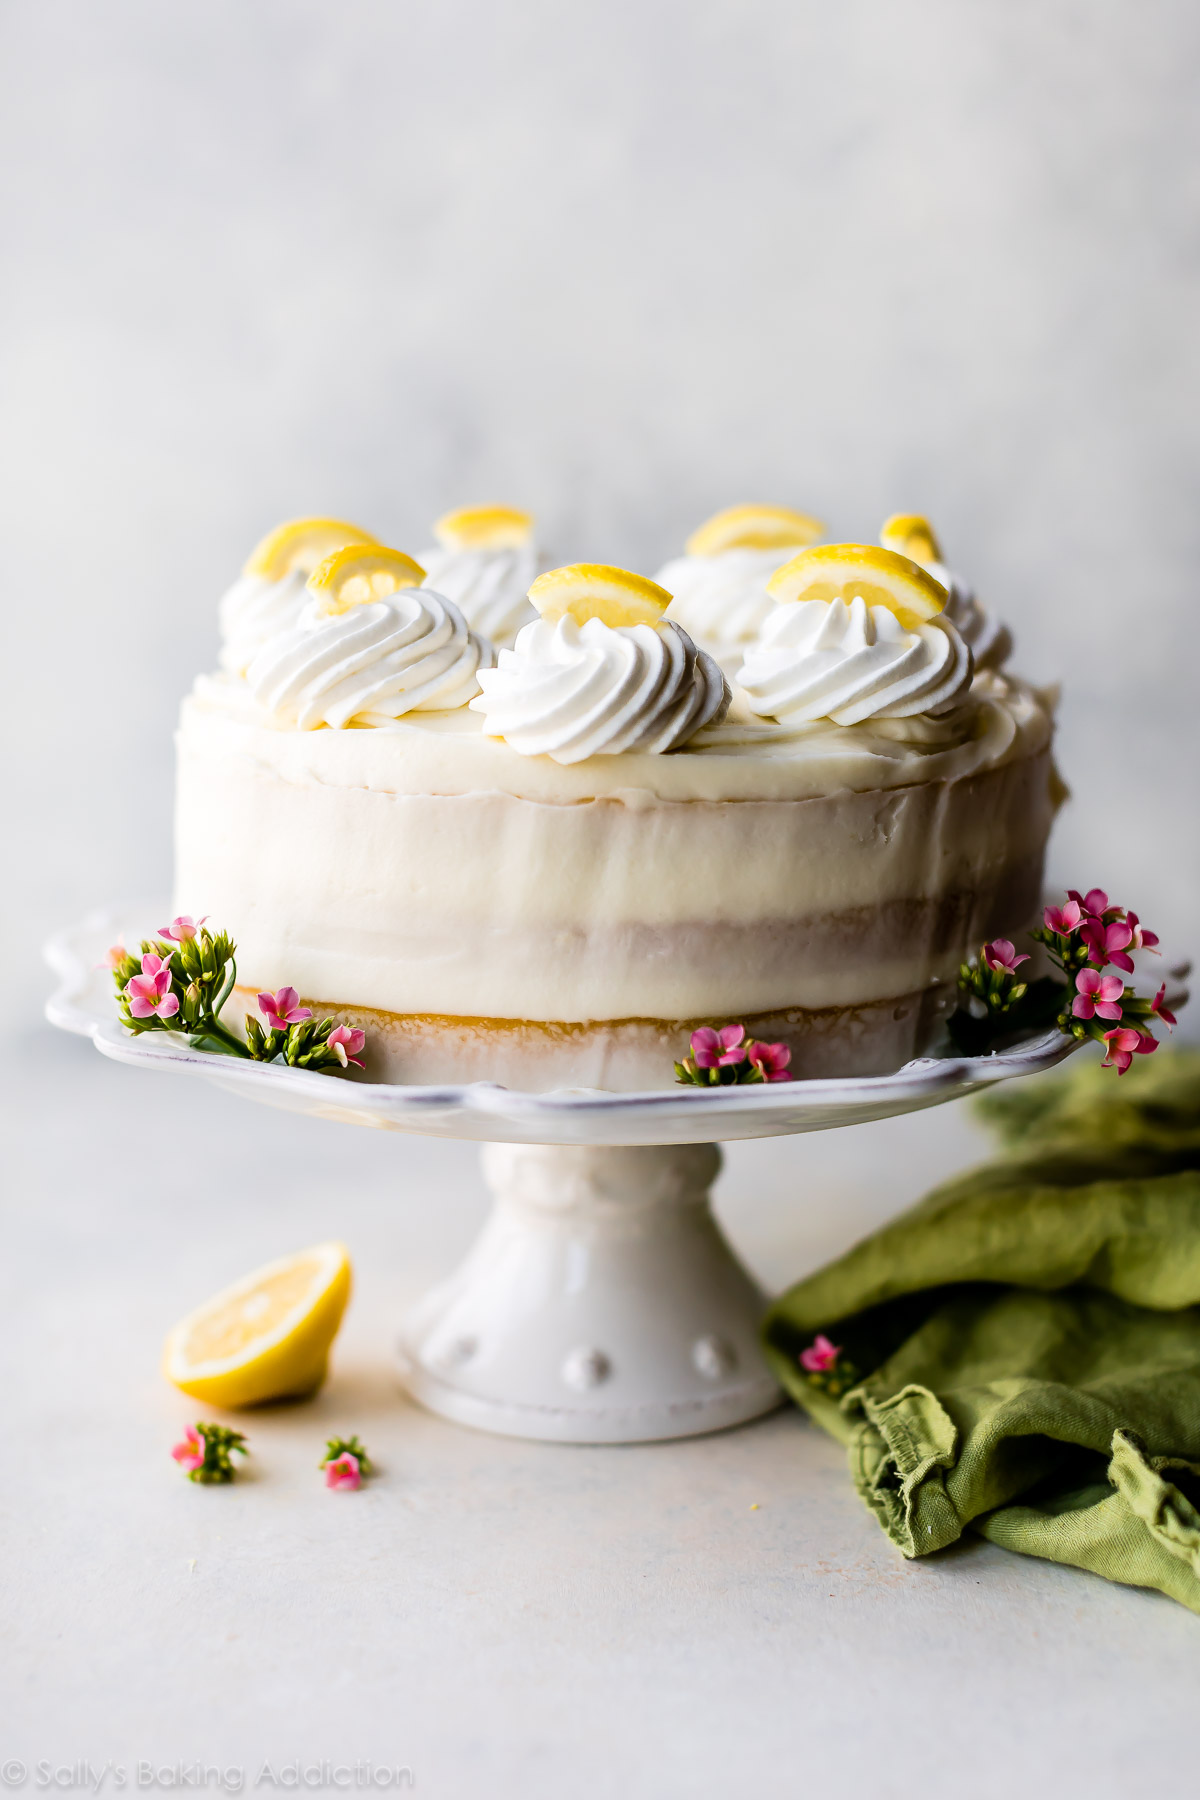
(621, 263)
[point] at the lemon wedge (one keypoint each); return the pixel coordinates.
(911, 535)
(754, 528)
(880, 577)
(267, 1337)
(301, 544)
(358, 574)
(484, 528)
(597, 591)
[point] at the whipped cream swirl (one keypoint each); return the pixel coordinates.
(570, 691)
(489, 587)
(822, 659)
(722, 601)
(254, 610)
(990, 641)
(370, 664)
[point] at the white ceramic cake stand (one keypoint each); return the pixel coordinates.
(601, 1304)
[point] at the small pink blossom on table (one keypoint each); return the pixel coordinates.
(771, 1061)
(1099, 995)
(715, 1049)
(343, 1471)
(283, 1009)
(150, 992)
(1123, 1044)
(346, 1042)
(181, 930)
(1002, 954)
(1063, 920)
(820, 1355)
(189, 1452)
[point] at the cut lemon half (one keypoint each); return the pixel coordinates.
(484, 528)
(597, 591)
(358, 574)
(301, 544)
(844, 571)
(267, 1337)
(754, 528)
(911, 535)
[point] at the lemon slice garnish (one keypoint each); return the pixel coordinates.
(595, 591)
(358, 574)
(484, 528)
(909, 534)
(844, 571)
(753, 528)
(302, 544)
(267, 1337)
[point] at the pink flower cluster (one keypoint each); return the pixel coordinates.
(149, 993)
(1090, 930)
(728, 1046)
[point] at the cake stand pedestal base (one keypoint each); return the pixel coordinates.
(600, 1305)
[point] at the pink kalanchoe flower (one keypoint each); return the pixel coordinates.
(1063, 919)
(1159, 1010)
(713, 1049)
(1093, 904)
(150, 992)
(114, 956)
(283, 1009)
(1001, 954)
(180, 930)
(346, 1043)
(820, 1355)
(1108, 943)
(1123, 1045)
(771, 1060)
(343, 1472)
(189, 1453)
(1141, 938)
(1099, 995)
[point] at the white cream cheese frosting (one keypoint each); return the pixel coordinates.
(824, 659)
(722, 601)
(489, 586)
(989, 641)
(369, 664)
(254, 610)
(572, 691)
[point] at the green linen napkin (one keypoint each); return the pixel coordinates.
(1024, 1345)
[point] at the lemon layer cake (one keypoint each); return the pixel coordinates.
(545, 864)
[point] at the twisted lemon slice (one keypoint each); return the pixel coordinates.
(484, 528)
(358, 574)
(844, 571)
(301, 544)
(596, 591)
(911, 535)
(753, 528)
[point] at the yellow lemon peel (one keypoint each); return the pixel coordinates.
(753, 528)
(266, 1337)
(358, 574)
(911, 535)
(301, 544)
(598, 591)
(484, 528)
(844, 571)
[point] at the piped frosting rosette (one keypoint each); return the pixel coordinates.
(272, 590)
(911, 535)
(600, 672)
(369, 646)
(857, 633)
(485, 560)
(719, 587)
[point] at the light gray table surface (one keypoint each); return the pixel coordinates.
(502, 1618)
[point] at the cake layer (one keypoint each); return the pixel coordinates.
(354, 866)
